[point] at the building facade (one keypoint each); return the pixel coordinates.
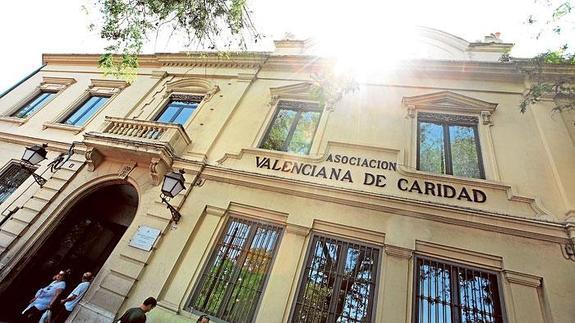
(421, 196)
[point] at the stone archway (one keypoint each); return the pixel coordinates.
(82, 241)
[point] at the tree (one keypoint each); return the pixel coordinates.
(212, 24)
(546, 80)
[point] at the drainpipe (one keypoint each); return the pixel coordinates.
(21, 81)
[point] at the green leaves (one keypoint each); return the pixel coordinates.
(128, 24)
(329, 88)
(121, 66)
(550, 73)
(559, 87)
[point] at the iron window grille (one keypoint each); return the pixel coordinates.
(451, 293)
(232, 283)
(86, 110)
(11, 178)
(179, 108)
(449, 144)
(293, 127)
(339, 282)
(34, 104)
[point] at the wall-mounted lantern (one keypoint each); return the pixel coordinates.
(31, 157)
(34, 155)
(172, 185)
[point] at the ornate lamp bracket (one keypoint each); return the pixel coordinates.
(568, 249)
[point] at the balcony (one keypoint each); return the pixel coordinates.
(138, 140)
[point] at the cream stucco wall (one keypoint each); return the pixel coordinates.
(519, 233)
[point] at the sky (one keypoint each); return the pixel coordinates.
(29, 28)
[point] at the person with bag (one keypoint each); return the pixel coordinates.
(45, 298)
(138, 314)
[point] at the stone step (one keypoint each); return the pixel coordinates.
(35, 204)
(46, 194)
(14, 226)
(26, 215)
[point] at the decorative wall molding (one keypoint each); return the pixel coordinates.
(254, 212)
(522, 278)
(193, 85)
(97, 84)
(158, 168)
(349, 232)
(447, 101)
(93, 158)
(62, 126)
(471, 218)
(56, 83)
(533, 206)
(298, 91)
(459, 255)
(399, 252)
(215, 211)
(297, 229)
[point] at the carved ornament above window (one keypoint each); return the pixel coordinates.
(199, 87)
(446, 101)
(447, 118)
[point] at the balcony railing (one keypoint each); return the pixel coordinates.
(141, 132)
(136, 129)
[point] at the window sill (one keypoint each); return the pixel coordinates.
(62, 126)
(281, 153)
(16, 120)
(450, 178)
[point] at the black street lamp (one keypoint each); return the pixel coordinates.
(172, 185)
(31, 157)
(35, 154)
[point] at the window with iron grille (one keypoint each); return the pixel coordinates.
(339, 282)
(450, 293)
(179, 108)
(449, 144)
(293, 127)
(232, 283)
(11, 178)
(34, 104)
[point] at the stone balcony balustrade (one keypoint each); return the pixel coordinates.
(138, 140)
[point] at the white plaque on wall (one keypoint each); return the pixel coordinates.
(145, 238)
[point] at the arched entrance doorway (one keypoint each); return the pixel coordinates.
(81, 241)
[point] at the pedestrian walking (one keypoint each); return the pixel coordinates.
(70, 302)
(138, 314)
(45, 298)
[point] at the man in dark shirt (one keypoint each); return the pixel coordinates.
(138, 314)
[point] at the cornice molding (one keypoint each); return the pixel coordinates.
(91, 60)
(472, 218)
(114, 84)
(65, 81)
(509, 190)
(245, 60)
(26, 141)
(477, 70)
(447, 101)
(304, 158)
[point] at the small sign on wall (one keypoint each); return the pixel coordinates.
(144, 238)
